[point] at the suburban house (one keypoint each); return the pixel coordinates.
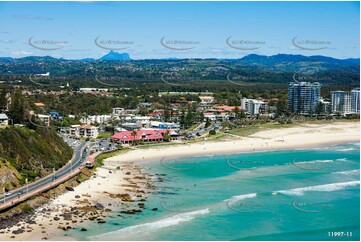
(146, 135)
(55, 115)
(4, 120)
(45, 119)
(39, 104)
(118, 111)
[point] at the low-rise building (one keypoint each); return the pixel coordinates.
(45, 119)
(162, 125)
(4, 120)
(100, 119)
(85, 131)
(118, 111)
(145, 135)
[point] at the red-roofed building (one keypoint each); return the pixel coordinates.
(126, 137)
(226, 108)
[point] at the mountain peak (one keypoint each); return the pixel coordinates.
(115, 56)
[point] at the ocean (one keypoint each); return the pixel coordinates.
(309, 194)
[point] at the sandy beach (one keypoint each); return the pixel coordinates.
(296, 137)
(113, 187)
(122, 183)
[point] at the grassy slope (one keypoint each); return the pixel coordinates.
(30, 152)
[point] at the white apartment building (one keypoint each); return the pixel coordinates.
(96, 119)
(253, 106)
(341, 102)
(355, 100)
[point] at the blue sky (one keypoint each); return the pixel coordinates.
(201, 29)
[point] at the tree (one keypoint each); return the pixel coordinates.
(236, 112)
(3, 100)
(166, 114)
(208, 123)
(166, 136)
(17, 108)
(182, 121)
(212, 132)
(134, 134)
(281, 106)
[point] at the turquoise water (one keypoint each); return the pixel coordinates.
(283, 195)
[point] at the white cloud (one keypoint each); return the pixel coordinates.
(21, 53)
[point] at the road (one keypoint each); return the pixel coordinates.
(75, 163)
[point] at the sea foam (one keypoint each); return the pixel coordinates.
(152, 226)
(320, 188)
(241, 197)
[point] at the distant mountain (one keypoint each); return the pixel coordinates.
(115, 56)
(6, 59)
(274, 63)
(39, 59)
(291, 63)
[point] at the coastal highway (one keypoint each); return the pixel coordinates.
(74, 164)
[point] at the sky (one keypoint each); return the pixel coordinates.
(152, 30)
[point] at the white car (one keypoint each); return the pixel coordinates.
(8, 193)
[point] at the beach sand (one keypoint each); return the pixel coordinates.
(108, 188)
(296, 137)
(113, 187)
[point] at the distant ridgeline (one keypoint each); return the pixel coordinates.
(33, 153)
(118, 69)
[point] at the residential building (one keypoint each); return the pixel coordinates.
(253, 106)
(100, 119)
(39, 104)
(45, 119)
(345, 102)
(55, 115)
(86, 131)
(303, 97)
(206, 99)
(341, 102)
(162, 125)
(4, 120)
(118, 111)
(325, 106)
(355, 100)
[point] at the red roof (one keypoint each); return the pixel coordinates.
(141, 135)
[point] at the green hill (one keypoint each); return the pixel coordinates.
(33, 153)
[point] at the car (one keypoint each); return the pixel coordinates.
(20, 192)
(8, 193)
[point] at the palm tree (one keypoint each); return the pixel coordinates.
(134, 134)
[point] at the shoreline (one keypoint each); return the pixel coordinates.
(123, 174)
(294, 138)
(127, 189)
